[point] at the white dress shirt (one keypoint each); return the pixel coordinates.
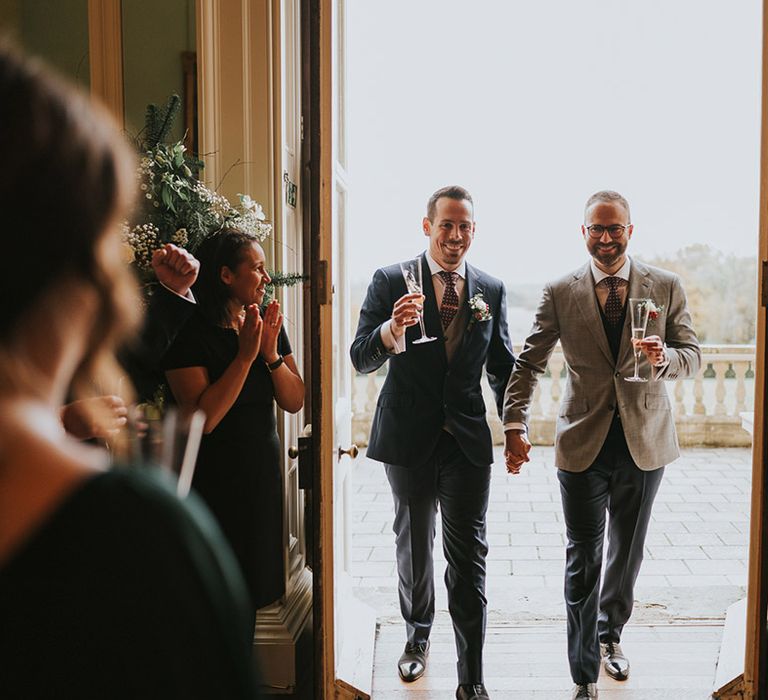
(394, 345)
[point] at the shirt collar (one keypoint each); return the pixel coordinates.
(598, 275)
(434, 267)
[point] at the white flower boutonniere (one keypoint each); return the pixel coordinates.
(480, 310)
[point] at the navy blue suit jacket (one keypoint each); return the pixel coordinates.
(422, 392)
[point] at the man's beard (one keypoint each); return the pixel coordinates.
(606, 258)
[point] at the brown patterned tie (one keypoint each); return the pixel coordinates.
(613, 302)
(450, 304)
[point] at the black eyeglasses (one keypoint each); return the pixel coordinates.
(615, 231)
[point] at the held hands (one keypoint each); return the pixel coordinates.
(516, 448)
(273, 322)
(406, 313)
(653, 348)
(175, 267)
(249, 337)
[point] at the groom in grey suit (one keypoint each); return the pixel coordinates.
(613, 437)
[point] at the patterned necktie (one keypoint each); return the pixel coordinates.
(613, 302)
(450, 304)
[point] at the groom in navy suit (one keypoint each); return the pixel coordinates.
(430, 430)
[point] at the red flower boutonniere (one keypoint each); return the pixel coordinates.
(653, 310)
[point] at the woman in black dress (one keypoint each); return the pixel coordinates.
(110, 587)
(233, 364)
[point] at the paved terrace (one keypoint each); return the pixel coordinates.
(695, 566)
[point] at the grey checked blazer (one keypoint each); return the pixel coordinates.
(595, 384)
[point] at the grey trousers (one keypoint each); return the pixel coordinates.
(461, 490)
(612, 484)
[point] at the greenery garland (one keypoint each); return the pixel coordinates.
(176, 207)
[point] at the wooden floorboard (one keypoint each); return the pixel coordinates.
(675, 661)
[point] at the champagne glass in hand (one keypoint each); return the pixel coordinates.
(638, 309)
(412, 275)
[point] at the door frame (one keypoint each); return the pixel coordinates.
(317, 110)
(317, 84)
(756, 642)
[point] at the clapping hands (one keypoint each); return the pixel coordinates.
(273, 322)
(250, 334)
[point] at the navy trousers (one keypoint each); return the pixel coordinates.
(612, 484)
(461, 490)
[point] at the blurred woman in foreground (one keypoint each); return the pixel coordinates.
(109, 586)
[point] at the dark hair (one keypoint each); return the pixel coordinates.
(225, 248)
(66, 181)
(451, 192)
(607, 197)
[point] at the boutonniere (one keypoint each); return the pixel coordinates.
(480, 310)
(653, 310)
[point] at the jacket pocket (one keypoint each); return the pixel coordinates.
(657, 402)
(395, 400)
(573, 407)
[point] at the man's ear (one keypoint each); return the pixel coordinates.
(426, 225)
(630, 229)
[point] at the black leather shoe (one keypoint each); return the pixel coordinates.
(413, 662)
(471, 691)
(615, 663)
(584, 691)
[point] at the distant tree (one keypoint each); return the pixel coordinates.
(721, 290)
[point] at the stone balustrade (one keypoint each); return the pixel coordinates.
(707, 407)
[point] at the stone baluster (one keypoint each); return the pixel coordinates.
(741, 369)
(537, 410)
(720, 369)
(698, 392)
(371, 393)
(680, 397)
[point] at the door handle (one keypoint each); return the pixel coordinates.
(351, 451)
(293, 451)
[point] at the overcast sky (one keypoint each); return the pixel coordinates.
(534, 105)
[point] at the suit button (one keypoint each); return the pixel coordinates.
(617, 375)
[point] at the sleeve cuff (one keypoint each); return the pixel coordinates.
(392, 345)
(188, 296)
(515, 426)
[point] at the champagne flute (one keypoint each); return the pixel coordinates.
(412, 274)
(638, 309)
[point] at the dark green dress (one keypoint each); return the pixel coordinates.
(124, 592)
(238, 468)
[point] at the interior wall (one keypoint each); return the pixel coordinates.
(155, 34)
(55, 30)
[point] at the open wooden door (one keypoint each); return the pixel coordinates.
(756, 649)
(344, 628)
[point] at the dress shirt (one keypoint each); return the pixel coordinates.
(396, 346)
(188, 296)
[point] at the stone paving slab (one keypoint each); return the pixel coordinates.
(695, 557)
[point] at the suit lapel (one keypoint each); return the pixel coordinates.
(640, 286)
(583, 291)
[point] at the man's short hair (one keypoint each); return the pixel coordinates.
(451, 192)
(607, 197)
